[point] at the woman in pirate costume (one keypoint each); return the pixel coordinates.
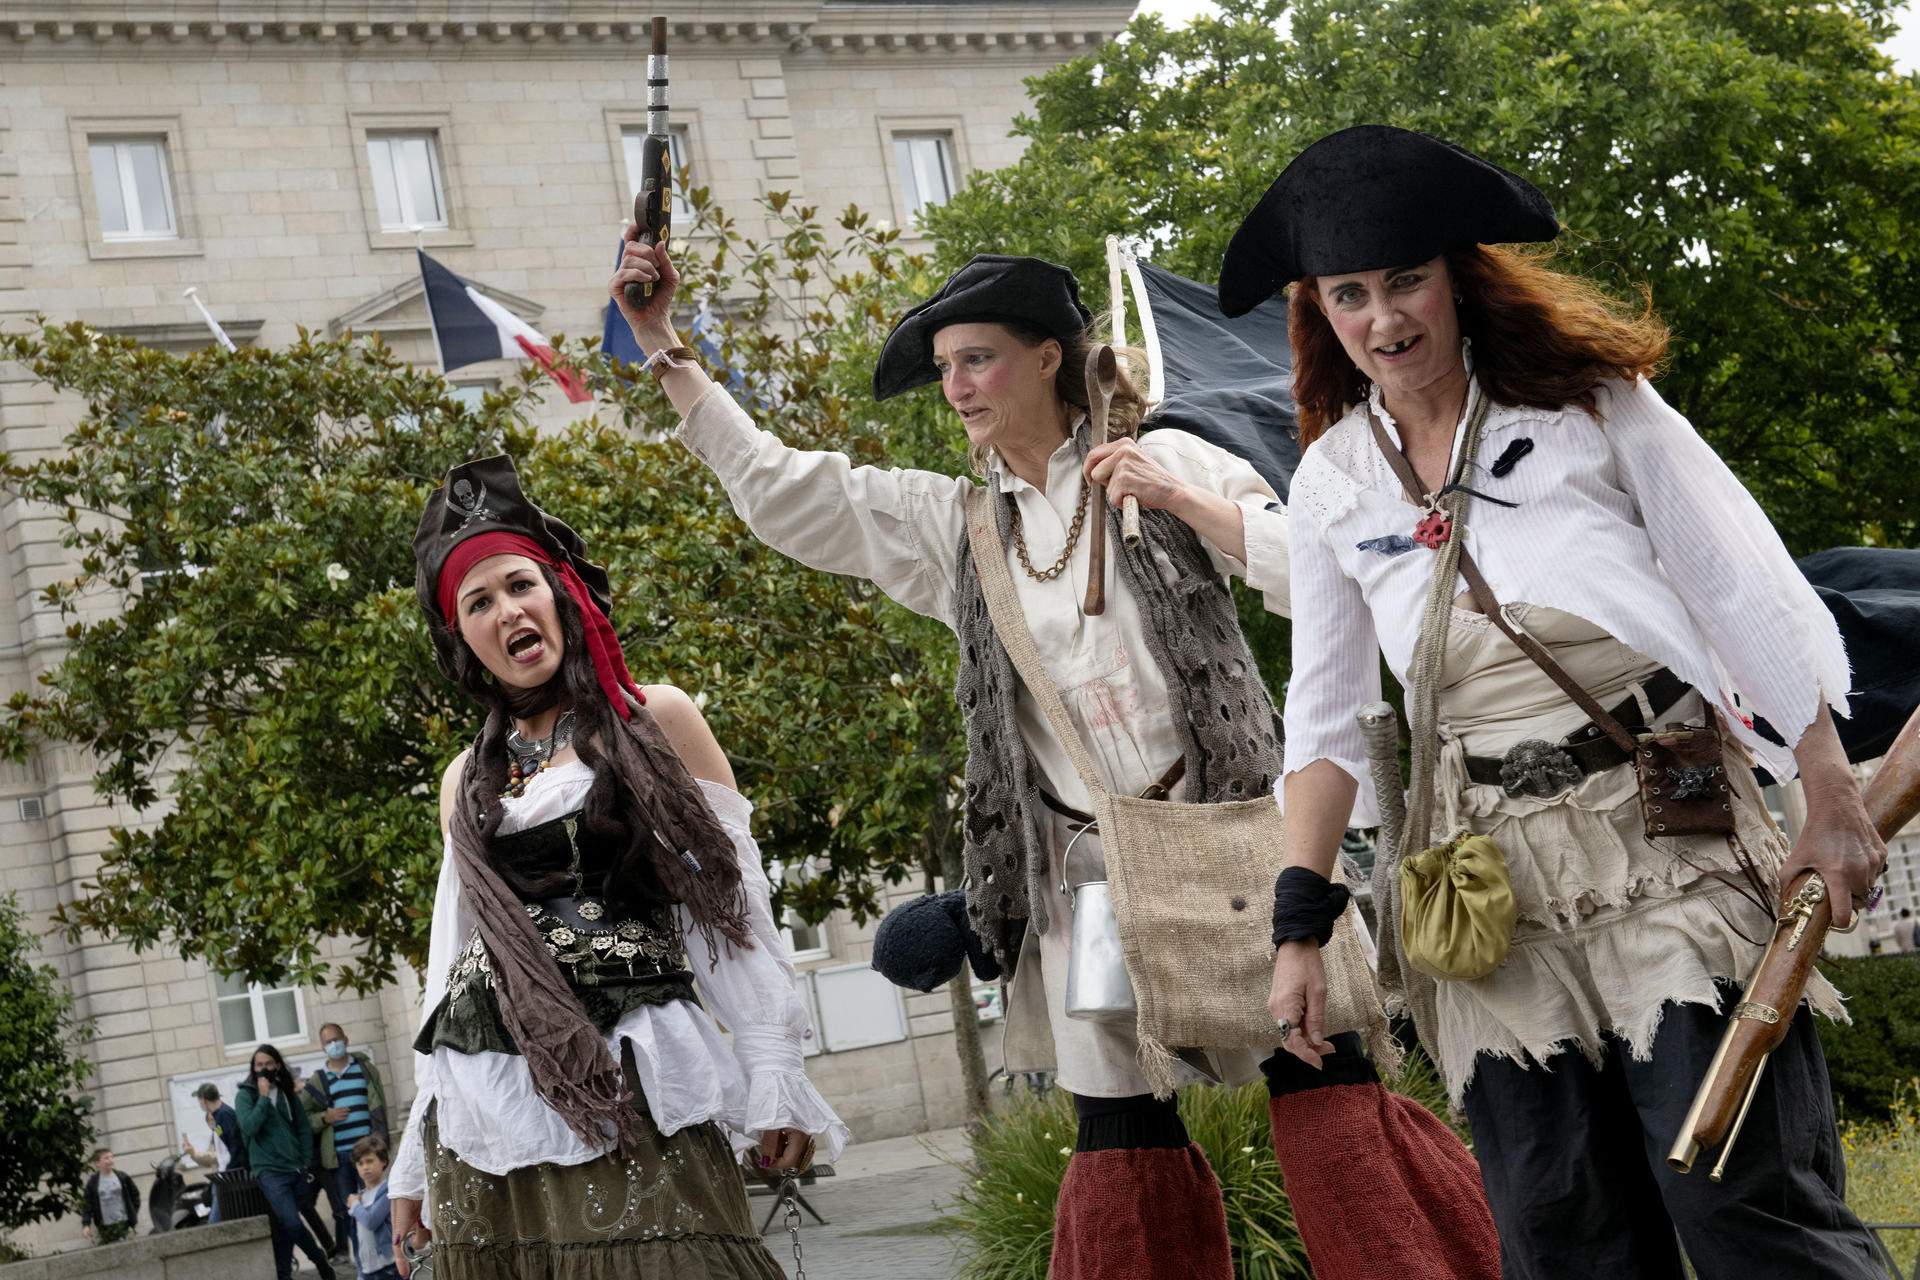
(1007, 339)
(574, 1102)
(1607, 534)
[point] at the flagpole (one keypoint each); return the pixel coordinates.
(193, 295)
(419, 250)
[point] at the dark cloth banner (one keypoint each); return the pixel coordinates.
(1230, 382)
(1874, 594)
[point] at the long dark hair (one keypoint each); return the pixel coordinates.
(1541, 337)
(281, 1077)
(643, 801)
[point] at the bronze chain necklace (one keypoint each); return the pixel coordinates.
(1073, 540)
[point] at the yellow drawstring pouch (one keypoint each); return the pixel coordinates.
(1456, 908)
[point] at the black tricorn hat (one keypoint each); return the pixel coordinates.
(484, 496)
(993, 287)
(1372, 197)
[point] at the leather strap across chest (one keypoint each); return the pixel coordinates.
(1484, 598)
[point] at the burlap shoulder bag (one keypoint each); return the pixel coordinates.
(1191, 883)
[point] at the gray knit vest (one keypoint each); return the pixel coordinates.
(1232, 736)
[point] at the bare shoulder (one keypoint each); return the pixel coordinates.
(450, 787)
(687, 729)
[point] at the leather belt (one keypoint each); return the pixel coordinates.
(1161, 790)
(1588, 748)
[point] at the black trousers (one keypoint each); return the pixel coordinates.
(1142, 1121)
(1574, 1160)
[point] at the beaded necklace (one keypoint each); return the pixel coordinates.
(525, 759)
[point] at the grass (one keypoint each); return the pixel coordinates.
(1883, 1171)
(1004, 1213)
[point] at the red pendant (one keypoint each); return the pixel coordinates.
(1434, 528)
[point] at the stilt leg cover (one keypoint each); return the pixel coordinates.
(1381, 1188)
(1137, 1213)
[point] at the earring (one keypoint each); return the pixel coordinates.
(1458, 299)
(486, 677)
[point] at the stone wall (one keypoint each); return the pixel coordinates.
(264, 109)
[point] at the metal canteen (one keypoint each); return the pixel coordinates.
(1098, 989)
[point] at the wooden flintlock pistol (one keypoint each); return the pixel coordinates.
(1766, 1008)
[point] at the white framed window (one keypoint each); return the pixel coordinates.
(472, 394)
(251, 1014)
(407, 185)
(631, 137)
(805, 941)
(132, 189)
(924, 163)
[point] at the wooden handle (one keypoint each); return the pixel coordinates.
(1096, 602)
(1766, 1010)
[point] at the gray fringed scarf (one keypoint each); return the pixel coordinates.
(1232, 736)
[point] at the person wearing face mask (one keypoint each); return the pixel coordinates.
(345, 1101)
(600, 884)
(1576, 525)
(1156, 696)
(279, 1149)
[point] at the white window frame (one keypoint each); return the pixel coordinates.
(137, 220)
(256, 998)
(366, 125)
(908, 171)
(679, 144)
(952, 130)
(405, 217)
(821, 952)
(83, 131)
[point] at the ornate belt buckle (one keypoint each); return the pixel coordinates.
(1537, 768)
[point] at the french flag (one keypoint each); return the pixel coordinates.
(470, 327)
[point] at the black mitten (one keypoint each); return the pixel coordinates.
(921, 943)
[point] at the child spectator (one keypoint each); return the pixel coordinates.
(372, 1220)
(109, 1201)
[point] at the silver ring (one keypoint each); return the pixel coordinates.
(1284, 1026)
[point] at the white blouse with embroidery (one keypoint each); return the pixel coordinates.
(902, 530)
(489, 1113)
(1630, 521)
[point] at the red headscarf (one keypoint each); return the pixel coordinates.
(602, 644)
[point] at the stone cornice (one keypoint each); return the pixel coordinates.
(365, 317)
(186, 335)
(554, 27)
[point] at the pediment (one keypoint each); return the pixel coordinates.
(402, 310)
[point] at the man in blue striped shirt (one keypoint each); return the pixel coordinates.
(345, 1102)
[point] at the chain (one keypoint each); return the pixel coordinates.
(1073, 540)
(792, 1199)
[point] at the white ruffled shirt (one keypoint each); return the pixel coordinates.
(902, 530)
(489, 1113)
(1631, 522)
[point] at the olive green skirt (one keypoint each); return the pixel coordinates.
(675, 1209)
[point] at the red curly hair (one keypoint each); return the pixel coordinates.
(1541, 338)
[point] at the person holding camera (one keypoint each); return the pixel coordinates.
(279, 1145)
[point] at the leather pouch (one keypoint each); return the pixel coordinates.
(1684, 789)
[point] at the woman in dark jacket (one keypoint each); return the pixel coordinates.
(279, 1144)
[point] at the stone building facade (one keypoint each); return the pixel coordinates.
(277, 157)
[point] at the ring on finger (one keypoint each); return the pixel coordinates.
(1284, 1026)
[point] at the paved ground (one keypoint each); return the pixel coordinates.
(881, 1209)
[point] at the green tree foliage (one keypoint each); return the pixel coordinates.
(1755, 166)
(250, 668)
(46, 1126)
(1877, 1056)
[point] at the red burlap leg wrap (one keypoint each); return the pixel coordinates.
(1140, 1214)
(1381, 1188)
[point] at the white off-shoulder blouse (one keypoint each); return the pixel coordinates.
(488, 1111)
